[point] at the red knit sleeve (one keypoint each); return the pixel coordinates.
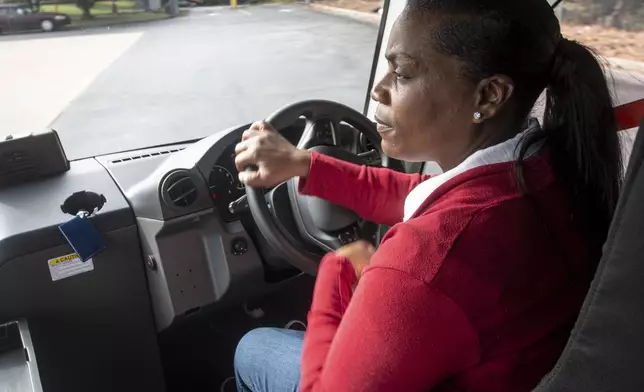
(397, 333)
(376, 194)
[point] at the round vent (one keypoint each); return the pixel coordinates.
(179, 190)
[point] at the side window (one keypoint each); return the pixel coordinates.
(616, 30)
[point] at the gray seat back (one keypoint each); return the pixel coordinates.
(606, 346)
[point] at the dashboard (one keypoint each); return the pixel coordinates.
(198, 254)
(172, 250)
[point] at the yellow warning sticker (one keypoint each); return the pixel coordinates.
(62, 259)
(69, 265)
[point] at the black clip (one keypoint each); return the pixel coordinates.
(83, 201)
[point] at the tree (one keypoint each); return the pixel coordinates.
(621, 14)
(86, 6)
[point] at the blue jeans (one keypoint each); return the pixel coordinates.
(268, 360)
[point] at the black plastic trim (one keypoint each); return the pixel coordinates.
(374, 64)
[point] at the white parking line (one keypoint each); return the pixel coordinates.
(245, 12)
(286, 10)
(213, 14)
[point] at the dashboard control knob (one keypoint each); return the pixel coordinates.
(239, 246)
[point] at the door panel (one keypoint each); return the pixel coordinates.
(5, 26)
(21, 23)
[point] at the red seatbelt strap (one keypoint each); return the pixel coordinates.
(629, 115)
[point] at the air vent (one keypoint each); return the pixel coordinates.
(143, 156)
(179, 190)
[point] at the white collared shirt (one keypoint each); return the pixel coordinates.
(499, 153)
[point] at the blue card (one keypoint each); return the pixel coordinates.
(83, 237)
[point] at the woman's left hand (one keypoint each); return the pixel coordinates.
(358, 253)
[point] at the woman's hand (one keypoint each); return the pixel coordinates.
(273, 158)
(358, 253)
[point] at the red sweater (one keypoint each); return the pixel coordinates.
(478, 291)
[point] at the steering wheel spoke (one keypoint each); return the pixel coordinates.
(350, 234)
(332, 241)
(371, 157)
(322, 130)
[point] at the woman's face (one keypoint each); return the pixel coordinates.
(426, 106)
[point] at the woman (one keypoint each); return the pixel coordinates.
(479, 282)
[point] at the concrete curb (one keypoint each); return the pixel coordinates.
(630, 66)
(112, 24)
(365, 17)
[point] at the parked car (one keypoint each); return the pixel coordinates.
(187, 3)
(191, 3)
(21, 18)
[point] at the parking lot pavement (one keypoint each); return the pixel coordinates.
(40, 76)
(187, 77)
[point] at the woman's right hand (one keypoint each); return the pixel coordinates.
(273, 158)
(359, 254)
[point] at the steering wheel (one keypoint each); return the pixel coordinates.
(320, 224)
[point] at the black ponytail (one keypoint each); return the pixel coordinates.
(581, 132)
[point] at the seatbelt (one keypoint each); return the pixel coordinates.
(629, 115)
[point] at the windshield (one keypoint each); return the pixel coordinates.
(119, 75)
(209, 68)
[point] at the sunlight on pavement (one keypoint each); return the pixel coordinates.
(41, 76)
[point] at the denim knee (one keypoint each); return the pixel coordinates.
(268, 360)
(246, 352)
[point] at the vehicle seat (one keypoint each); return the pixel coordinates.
(606, 346)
